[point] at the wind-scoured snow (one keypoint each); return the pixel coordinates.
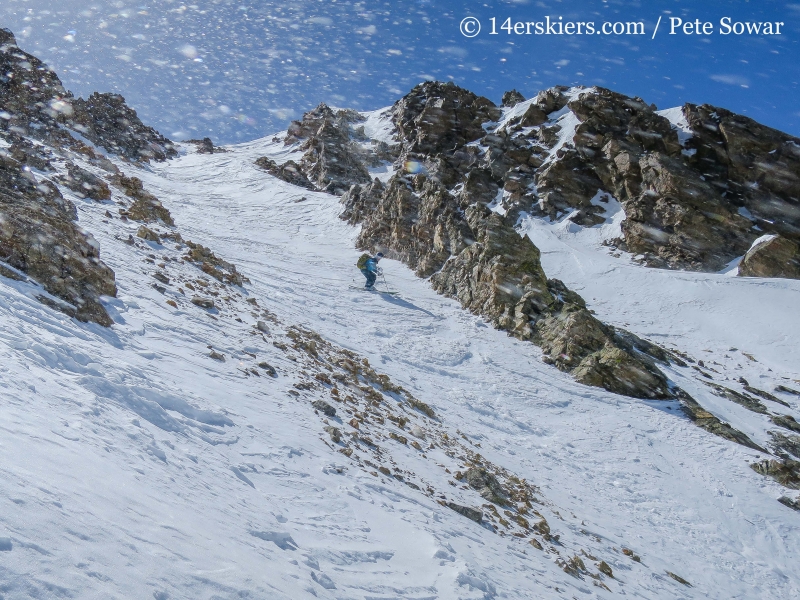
(379, 126)
(135, 466)
(678, 121)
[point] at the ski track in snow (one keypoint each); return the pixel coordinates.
(135, 466)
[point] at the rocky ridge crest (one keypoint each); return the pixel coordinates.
(45, 136)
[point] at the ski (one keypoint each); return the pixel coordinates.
(363, 289)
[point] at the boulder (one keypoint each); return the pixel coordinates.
(772, 256)
(471, 513)
(512, 98)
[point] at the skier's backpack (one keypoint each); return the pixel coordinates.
(362, 261)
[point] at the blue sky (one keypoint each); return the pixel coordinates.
(238, 70)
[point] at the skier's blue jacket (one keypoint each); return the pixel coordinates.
(371, 265)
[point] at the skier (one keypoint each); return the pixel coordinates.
(369, 267)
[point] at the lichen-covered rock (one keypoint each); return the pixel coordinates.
(487, 485)
(786, 471)
(39, 236)
(774, 256)
(146, 207)
(471, 513)
(211, 264)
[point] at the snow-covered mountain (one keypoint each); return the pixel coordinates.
(199, 402)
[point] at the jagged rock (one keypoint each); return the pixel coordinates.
(775, 256)
(786, 421)
(475, 254)
(705, 420)
(331, 162)
(335, 433)
(107, 121)
(786, 471)
(576, 341)
(512, 98)
(148, 234)
(436, 117)
(679, 220)
(216, 355)
(85, 184)
(29, 90)
(471, 513)
(146, 207)
(786, 501)
(205, 146)
(269, 369)
(323, 407)
(202, 302)
(783, 443)
(289, 172)
(40, 106)
(212, 265)
(486, 485)
(39, 236)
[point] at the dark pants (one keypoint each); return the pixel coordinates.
(371, 277)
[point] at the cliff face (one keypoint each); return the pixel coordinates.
(44, 130)
(697, 186)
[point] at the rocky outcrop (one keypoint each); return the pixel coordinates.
(146, 207)
(289, 172)
(85, 184)
(772, 256)
(512, 98)
(697, 190)
(34, 102)
(31, 95)
(39, 236)
(108, 122)
(332, 162)
(439, 222)
(206, 146)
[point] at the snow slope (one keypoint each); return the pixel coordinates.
(133, 465)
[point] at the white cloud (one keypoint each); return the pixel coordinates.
(731, 79)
